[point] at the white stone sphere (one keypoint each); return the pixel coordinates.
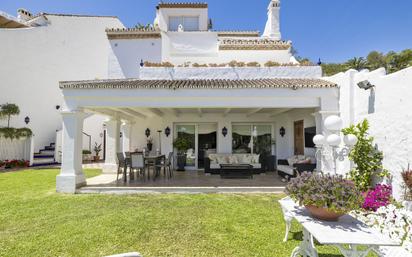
(333, 123)
(350, 140)
(319, 140)
(333, 140)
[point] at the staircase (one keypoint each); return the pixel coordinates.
(45, 156)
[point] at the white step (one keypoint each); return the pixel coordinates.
(43, 161)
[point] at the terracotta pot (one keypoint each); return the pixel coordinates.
(96, 158)
(323, 213)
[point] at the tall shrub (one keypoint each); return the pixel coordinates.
(367, 158)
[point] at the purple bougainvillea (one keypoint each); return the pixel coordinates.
(378, 197)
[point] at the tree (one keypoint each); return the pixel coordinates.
(7, 110)
(376, 60)
(357, 63)
(366, 156)
(330, 69)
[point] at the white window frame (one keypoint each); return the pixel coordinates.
(182, 21)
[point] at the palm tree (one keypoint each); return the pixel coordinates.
(143, 26)
(357, 63)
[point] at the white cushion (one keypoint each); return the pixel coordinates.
(222, 159)
(214, 166)
(232, 159)
(247, 158)
(256, 165)
(286, 169)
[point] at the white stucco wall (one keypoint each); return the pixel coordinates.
(285, 145)
(231, 73)
(387, 107)
(125, 56)
(34, 60)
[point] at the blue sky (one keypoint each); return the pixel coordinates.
(330, 29)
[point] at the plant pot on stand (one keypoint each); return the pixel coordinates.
(181, 161)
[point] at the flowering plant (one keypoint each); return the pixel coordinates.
(10, 164)
(325, 191)
(396, 223)
(378, 197)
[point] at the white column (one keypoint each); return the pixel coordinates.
(112, 145)
(127, 136)
(71, 174)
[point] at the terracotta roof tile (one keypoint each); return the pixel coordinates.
(198, 84)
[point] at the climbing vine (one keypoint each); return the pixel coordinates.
(367, 158)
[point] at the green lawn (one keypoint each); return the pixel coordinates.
(36, 221)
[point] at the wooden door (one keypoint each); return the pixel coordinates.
(299, 140)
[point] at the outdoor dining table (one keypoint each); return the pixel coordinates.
(352, 237)
(150, 160)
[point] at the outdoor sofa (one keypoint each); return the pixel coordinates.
(295, 165)
(213, 162)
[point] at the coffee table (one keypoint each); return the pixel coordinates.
(236, 171)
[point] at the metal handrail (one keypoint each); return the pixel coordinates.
(90, 140)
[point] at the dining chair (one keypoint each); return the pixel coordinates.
(137, 163)
(159, 165)
(122, 167)
(168, 164)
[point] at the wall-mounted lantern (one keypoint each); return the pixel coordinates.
(167, 131)
(282, 131)
(141, 63)
(147, 132)
(27, 120)
(57, 107)
(224, 131)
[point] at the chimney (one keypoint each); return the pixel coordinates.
(24, 15)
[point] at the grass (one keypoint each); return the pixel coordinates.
(36, 221)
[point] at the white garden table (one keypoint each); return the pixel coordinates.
(352, 237)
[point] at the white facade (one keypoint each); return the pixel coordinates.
(387, 107)
(35, 59)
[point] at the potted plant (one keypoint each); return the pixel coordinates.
(86, 155)
(407, 181)
(97, 149)
(181, 144)
(326, 197)
(149, 143)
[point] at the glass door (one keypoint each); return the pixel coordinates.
(207, 135)
(188, 132)
(202, 139)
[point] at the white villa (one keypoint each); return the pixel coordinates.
(228, 92)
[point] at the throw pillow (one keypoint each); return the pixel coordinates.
(232, 159)
(255, 158)
(213, 159)
(222, 159)
(307, 161)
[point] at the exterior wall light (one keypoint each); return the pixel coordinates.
(282, 131)
(141, 63)
(27, 120)
(167, 131)
(224, 131)
(147, 132)
(331, 146)
(365, 85)
(57, 107)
